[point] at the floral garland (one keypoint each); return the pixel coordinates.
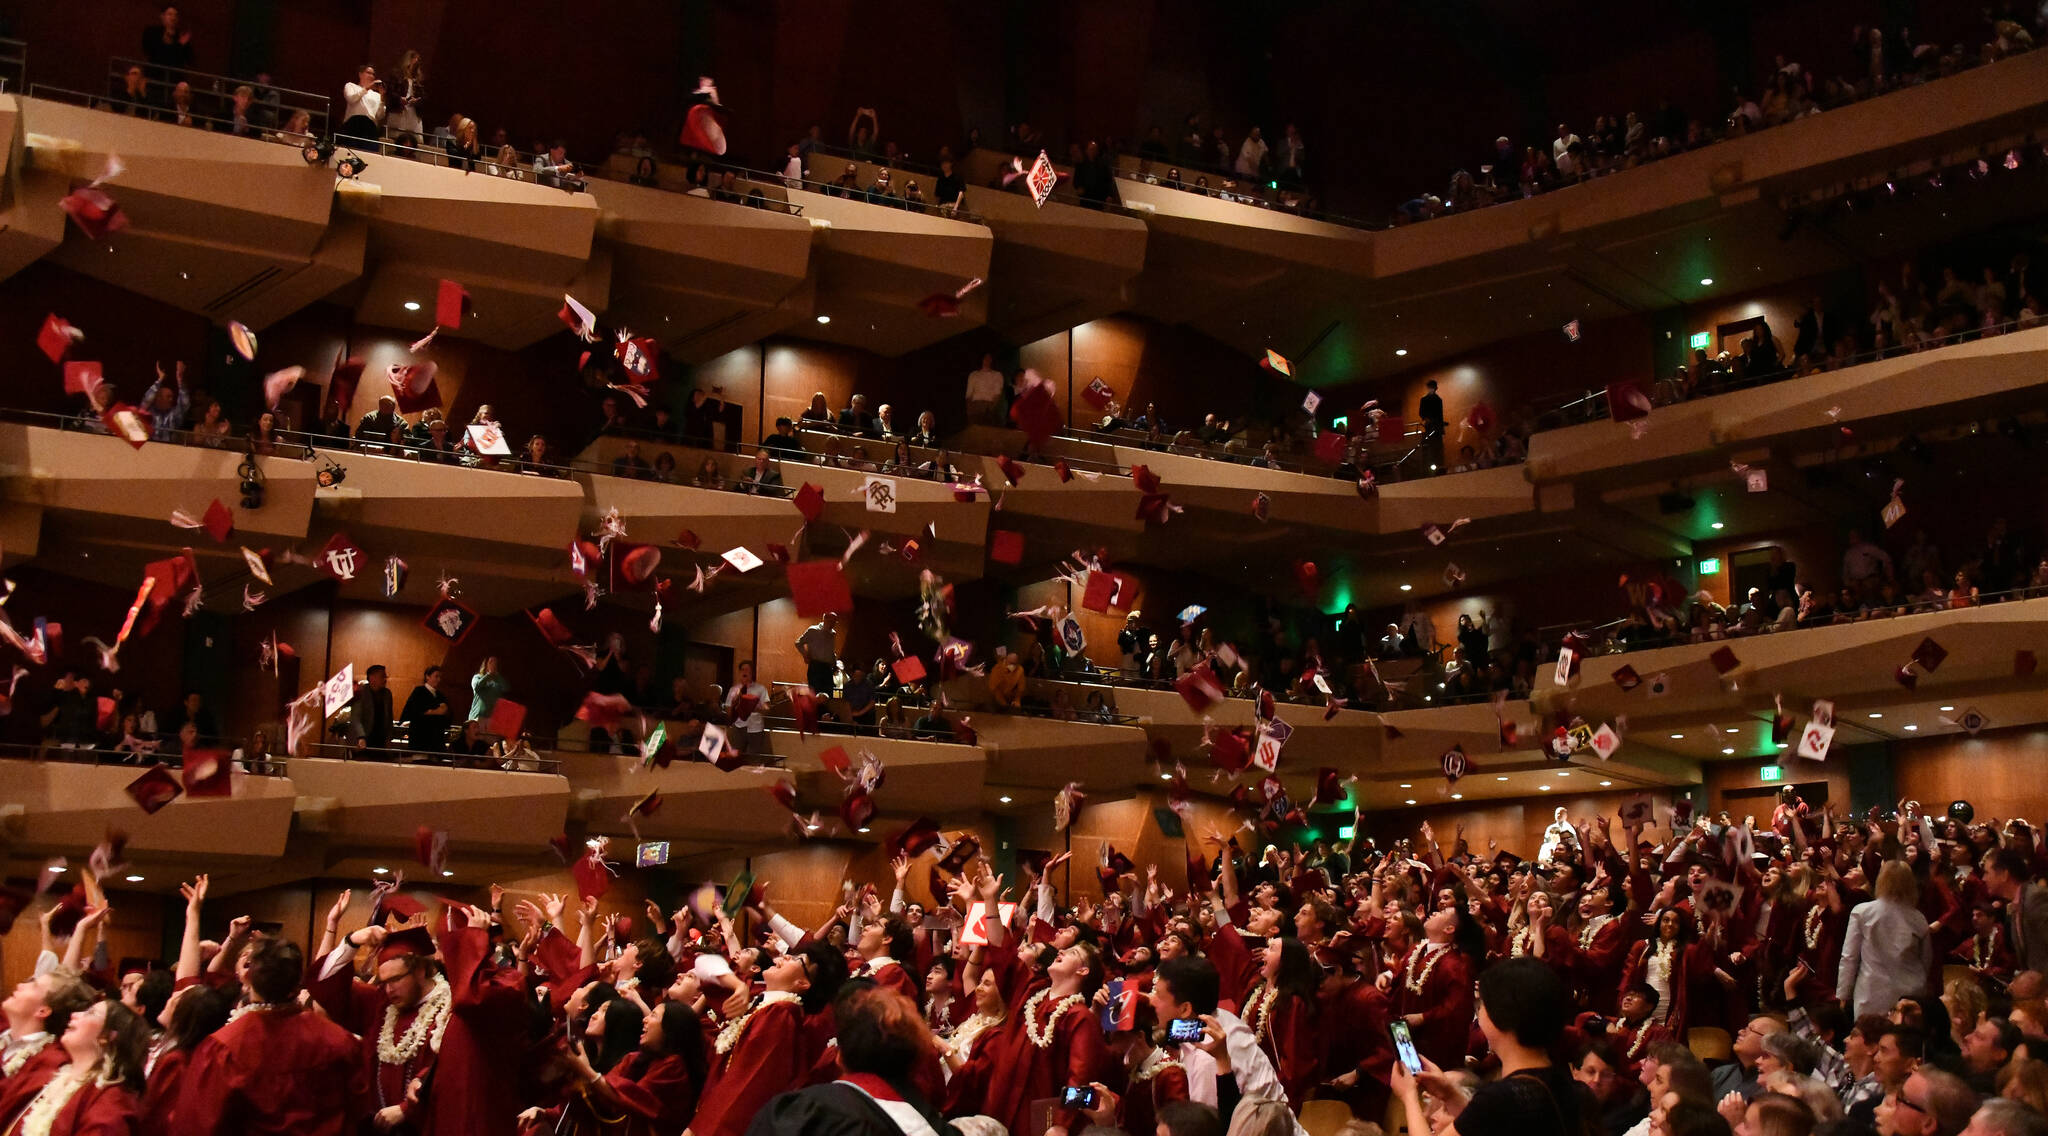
(431, 1018)
(730, 1035)
(1981, 954)
(977, 1024)
(1414, 982)
(1042, 1038)
(1258, 1009)
(41, 1114)
(1814, 916)
(1635, 1046)
(235, 1014)
(1518, 943)
(1156, 1062)
(34, 1045)
(1592, 929)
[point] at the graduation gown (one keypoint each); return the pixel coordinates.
(359, 1008)
(1638, 970)
(1594, 969)
(1355, 1038)
(475, 1088)
(93, 1110)
(859, 1105)
(1443, 996)
(1158, 1080)
(1235, 968)
(892, 975)
(160, 1093)
(1290, 1041)
(1022, 1071)
(281, 1072)
(655, 1096)
(768, 1058)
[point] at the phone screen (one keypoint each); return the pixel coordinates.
(1184, 1030)
(1078, 1096)
(1404, 1046)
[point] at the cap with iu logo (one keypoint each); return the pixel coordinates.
(339, 557)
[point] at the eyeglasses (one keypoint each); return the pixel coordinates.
(1902, 1099)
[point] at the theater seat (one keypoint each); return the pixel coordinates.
(1952, 971)
(1710, 1044)
(1325, 1117)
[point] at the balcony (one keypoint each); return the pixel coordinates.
(67, 800)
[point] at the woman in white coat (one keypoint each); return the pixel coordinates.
(1887, 949)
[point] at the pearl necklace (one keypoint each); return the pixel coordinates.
(1259, 1009)
(431, 1018)
(34, 1044)
(1043, 1038)
(1592, 929)
(1814, 915)
(1429, 954)
(730, 1035)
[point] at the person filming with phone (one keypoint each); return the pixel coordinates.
(1523, 1008)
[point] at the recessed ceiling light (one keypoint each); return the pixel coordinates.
(1457, 796)
(1411, 800)
(57, 869)
(1406, 785)
(380, 871)
(1500, 779)
(133, 879)
(1605, 784)
(824, 319)
(1718, 526)
(446, 872)
(811, 827)
(1564, 773)
(1731, 729)
(1784, 745)
(862, 829)
(1677, 737)
(1545, 788)
(1407, 587)
(1729, 750)
(1706, 282)
(1003, 799)
(1874, 714)
(1400, 351)
(412, 305)
(1945, 708)
(184, 276)
(1910, 726)
(1166, 776)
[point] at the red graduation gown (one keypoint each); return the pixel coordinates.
(893, 976)
(1355, 1038)
(655, 1098)
(275, 1073)
(94, 1110)
(160, 1093)
(1235, 968)
(1021, 1072)
(1445, 1003)
(769, 1058)
(1290, 1041)
(1163, 1080)
(359, 1008)
(475, 1088)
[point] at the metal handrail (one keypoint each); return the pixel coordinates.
(1607, 644)
(272, 765)
(397, 755)
(219, 91)
(13, 65)
(160, 113)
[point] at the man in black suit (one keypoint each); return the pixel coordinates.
(426, 712)
(1814, 327)
(369, 712)
(855, 419)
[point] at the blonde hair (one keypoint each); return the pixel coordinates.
(1895, 882)
(2025, 1082)
(1966, 1003)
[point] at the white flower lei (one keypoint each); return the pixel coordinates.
(1414, 981)
(15, 1060)
(1635, 1047)
(1156, 1062)
(1259, 1009)
(1591, 929)
(1043, 1039)
(964, 1034)
(1814, 915)
(730, 1035)
(245, 1008)
(1979, 953)
(1518, 943)
(431, 1019)
(42, 1112)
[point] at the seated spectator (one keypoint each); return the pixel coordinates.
(645, 172)
(900, 461)
(536, 460)
(379, 424)
(856, 420)
(180, 109)
(927, 431)
(784, 438)
(554, 167)
(951, 189)
(817, 411)
(630, 463)
(708, 476)
(433, 442)
(665, 468)
(879, 192)
(132, 94)
(213, 426)
(241, 124)
(885, 422)
(763, 478)
(462, 145)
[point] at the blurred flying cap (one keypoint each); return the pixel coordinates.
(410, 941)
(602, 710)
(1262, 507)
(743, 560)
(1144, 479)
(1724, 659)
(1626, 678)
(647, 805)
(57, 337)
(819, 588)
(506, 718)
(577, 317)
(593, 876)
(1012, 471)
(836, 761)
(430, 847)
(396, 905)
(1929, 655)
(243, 339)
(810, 501)
(1035, 411)
(1063, 470)
(209, 773)
(126, 423)
(912, 840)
(258, 564)
(958, 852)
(804, 708)
(1906, 678)
(635, 563)
(83, 376)
(1368, 485)
(857, 809)
(95, 213)
(744, 706)
(550, 627)
(908, 669)
(1274, 361)
(450, 301)
(1006, 547)
(1330, 446)
(154, 789)
(1230, 749)
(277, 383)
(414, 385)
(1199, 688)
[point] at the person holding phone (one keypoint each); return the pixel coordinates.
(1523, 1007)
(1434, 986)
(1153, 1076)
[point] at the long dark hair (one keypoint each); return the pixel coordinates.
(124, 1045)
(1469, 936)
(1297, 974)
(622, 1020)
(681, 1037)
(200, 1010)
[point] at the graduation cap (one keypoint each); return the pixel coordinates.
(243, 340)
(577, 318)
(94, 212)
(1198, 873)
(704, 124)
(126, 423)
(550, 627)
(1156, 508)
(1262, 507)
(208, 773)
(1035, 411)
(1276, 362)
(914, 838)
(449, 619)
(414, 385)
(646, 806)
(1097, 394)
(1906, 678)
(57, 337)
(1626, 678)
(1724, 659)
(944, 305)
(450, 302)
(803, 706)
(83, 376)
(602, 710)
(593, 876)
(857, 809)
(1627, 400)
(1144, 479)
(1062, 470)
(1230, 749)
(1006, 547)
(908, 669)
(633, 564)
(810, 501)
(430, 847)
(395, 905)
(339, 558)
(1330, 446)
(408, 941)
(155, 788)
(1368, 485)
(1199, 688)
(1929, 655)
(1013, 472)
(959, 853)
(819, 587)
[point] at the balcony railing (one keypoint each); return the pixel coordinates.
(271, 108)
(13, 66)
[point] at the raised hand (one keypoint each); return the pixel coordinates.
(194, 893)
(552, 905)
(339, 909)
(901, 866)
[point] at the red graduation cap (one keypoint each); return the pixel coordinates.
(857, 809)
(908, 669)
(1063, 470)
(633, 564)
(818, 587)
(835, 761)
(1906, 677)
(550, 627)
(341, 385)
(1929, 655)
(962, 853)
(155, 788)
(104, 708)
(1144, 479)
(1392, 429)
(744, 706)
(1626, 678)
(414, 386)
(1012, 471)
(1724, 659)
(810, 501)
(1330, 446)
(602, 710)
(784, 793)
(1627, 400)
(1231, 749)
(126, 423)
(704, 124)
(83, 376)
(1199, 688)
(172, 576)
(2023, 662)
(1155, 508)
(593, 878)
(1100, 592)
(506, 718)
(450, 301)
(1006, 547)
(95, 213)
(912, 840)
(218, 521)
(804, 707)
(408, 941)
(1480, 418)
(209, 773)
(430, 847)
(1097, 394)
(340, 558)
(1035, 412)
(1329, 785)
(647, 805)
(56, 338)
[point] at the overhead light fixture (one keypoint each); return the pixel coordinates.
(824, 319)
(1677, 737)
(1732, 729)
(1605, 784)
(1706, 282)
(1784, 745)
(1945, 709)
(1407, 587)
(1406, 785)
(1411, 800)
(412, 305)
(1500, 779)
(1729, 750)
(863, 828)
(133, 879)
(1545, 788)
(1718, 526)
(1875, 714)
(380, 871)
(1166, 776)
(446, 872)
(57, 869)
(1564, 773)
(1457, 796)
(1401, 351)
(1909, 726)
(1003, 800)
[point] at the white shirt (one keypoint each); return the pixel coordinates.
(1256, 1079)
(985, 385)
(1886, 954)
(1562, 145)
(362, 101)
(1250, 155)
(754, 723)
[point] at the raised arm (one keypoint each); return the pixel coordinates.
(88, 926)
(188, 946)
(327, 933)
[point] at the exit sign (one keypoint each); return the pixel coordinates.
(1346, 832)
(1711, 566)
(1700, 339)
(1771, 773)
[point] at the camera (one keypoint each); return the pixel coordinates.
(1182, 1031)
(1080, 1096)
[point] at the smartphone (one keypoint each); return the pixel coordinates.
(1183, 1031)
(1080, 1096)
(1404, 1046)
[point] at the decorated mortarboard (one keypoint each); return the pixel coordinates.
(450, 302)
(602, 710)
(577, 318)
(1034, 410)
(1097, 394)
(449, 619)
(592, 874)
(857, 809)
(339, 558)
(1067, 805)
(957, 852)
(1062, 470)
(1626, 678)
(1199, 688)
(1724, 659)
(243, 340)
(155, 788)
(915, 837)
(819, 587)
(126, 423)
(550, 627)
(1230, 749)
(908, 669)
(1013, 471)
(57, 337)
(414, 385)
(1277, 363)
(1929, 655)
(1455, 764)
(208, 773)
(94, 212)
